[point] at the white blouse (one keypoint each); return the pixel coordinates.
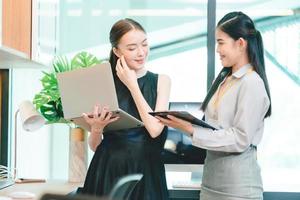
(238, 113)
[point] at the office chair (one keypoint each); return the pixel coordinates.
(49, 196)
(124, 187)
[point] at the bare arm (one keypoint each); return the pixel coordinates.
(95, 138)
(153, 126)
(128, 77)
(101, 118)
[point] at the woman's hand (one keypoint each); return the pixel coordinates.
(177, 123)
(125, 74)
(99, 118)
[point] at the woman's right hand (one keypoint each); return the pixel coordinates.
(177, 123)
(99, 118)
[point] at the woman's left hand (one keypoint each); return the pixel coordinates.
(125, 74)
(177, 123)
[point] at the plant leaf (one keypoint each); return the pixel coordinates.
(61, 64)
(40, 99)
(84, 59)
(49, 81)
(51, 111)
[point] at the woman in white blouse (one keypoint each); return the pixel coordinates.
(237, 103)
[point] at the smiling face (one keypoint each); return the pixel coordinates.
(134, 47)
(230, 51)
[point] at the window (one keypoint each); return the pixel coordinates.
(66, 27)
(177, 36)
(278, 153)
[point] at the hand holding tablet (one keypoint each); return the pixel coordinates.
(185, 116)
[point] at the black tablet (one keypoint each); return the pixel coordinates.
(185, 116)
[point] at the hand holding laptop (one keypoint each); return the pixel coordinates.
(99, 118)
(77, 97)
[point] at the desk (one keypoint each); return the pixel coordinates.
(57, 187)
(183, 173)
(173, 173)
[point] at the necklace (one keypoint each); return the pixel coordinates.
(223, 88)
(229, 82)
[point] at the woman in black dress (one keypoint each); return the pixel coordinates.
(136, 150)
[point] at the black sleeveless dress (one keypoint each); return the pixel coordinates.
(130, 151)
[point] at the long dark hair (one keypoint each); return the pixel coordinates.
(239, 25)
(117, 31)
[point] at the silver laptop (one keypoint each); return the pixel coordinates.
(82, 89)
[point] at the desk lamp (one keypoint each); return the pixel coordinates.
(31, 121)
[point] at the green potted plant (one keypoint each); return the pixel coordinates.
(48, 101)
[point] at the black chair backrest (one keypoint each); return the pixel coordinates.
(49, 196)
(124, 187)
